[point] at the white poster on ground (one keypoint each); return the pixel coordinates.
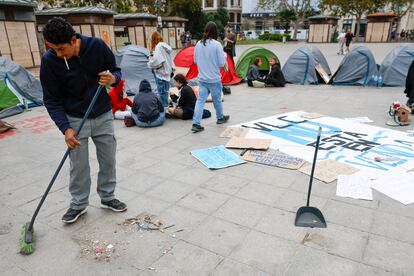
(351, 143)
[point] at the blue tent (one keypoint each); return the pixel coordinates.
(395, 66)
(357, 68)
(300, 66)
(133, 61)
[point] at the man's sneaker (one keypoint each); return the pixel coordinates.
(223, 120)
(197, 128)
(72, 215)
(114, 204)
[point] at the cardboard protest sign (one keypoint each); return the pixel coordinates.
(243, 143)
(217, 157)
(328, 170)
(273, 158)
(326, 78)
(234, 132)
(311, 116)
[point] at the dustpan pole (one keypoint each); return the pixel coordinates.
(314, 165)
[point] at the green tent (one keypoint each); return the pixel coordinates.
(247, 58)
(7, 97)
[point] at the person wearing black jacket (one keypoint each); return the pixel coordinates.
(275, 77)
(70, 73)
(409, 87)
(147, 108)
(185, 100)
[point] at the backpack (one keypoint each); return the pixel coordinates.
(206, 114)
(129, 121)
(226, 90)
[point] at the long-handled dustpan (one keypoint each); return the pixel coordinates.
(308, 216)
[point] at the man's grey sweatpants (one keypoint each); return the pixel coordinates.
(101, 130)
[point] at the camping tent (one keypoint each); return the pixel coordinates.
(247, 58)
(395, 66)
(357, 68)
(185, 58)
(17, 87)
(133, 61)
(301, 65)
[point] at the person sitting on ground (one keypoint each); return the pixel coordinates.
(147, 109)
(275, 77)
(253, 76)
(185, 100)
(120, 104)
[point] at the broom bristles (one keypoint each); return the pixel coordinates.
(26, 248)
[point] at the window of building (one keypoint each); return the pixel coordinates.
(223, 3)
(2, 15)
(209, 3)
(24, 16)
(239, 17)
(232, 3)
(231, 17)
(259, 25)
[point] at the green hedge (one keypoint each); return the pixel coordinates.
(275, 37)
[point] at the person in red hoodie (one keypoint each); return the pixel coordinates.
(120, 104)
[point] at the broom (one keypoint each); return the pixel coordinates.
(28, 238)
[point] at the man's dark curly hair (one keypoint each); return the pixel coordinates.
(58, 31)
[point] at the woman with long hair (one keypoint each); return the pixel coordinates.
(209, 57)
(160, 61)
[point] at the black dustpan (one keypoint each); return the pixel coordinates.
(308, 216)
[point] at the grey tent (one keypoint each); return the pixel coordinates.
(300, 66)
(358, 67)
(133, 61)
(395, 66)
(21, 85)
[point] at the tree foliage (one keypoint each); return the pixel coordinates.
(355, 8)
(300, 8)
(400, 7)
(286, 16)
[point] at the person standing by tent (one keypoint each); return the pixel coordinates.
(341, 42)
(348, 39)
(188, 38)
(161, 62)
(230, 42)
(183, 39)
(209, 57)
(70, 73)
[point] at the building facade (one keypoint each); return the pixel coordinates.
(234, 8)
(18, 40)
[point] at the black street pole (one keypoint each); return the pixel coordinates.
(159, 21)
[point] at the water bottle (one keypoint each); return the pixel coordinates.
(380, 81)
(375, 80)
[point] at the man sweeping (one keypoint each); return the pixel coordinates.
(70, 73)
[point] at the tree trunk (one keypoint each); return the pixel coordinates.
(295, 30)
(397, 29)
(358, 17)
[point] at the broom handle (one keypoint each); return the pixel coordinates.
(52, 181)
(313, 165)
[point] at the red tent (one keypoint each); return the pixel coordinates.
(185, 58)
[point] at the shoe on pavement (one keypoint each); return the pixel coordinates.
(72, 215)
(114, 204)
(223, 120)
(197, 128)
